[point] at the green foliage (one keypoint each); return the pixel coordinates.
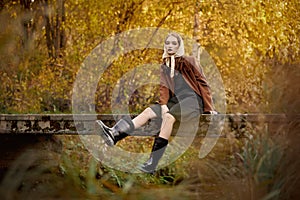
(264, 160)
(266, 171)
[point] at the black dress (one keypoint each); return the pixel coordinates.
(185, 105)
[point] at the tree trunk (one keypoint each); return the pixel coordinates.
(55, 34)
(27, 22)
(196, 36)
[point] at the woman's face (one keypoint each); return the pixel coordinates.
(171, 45)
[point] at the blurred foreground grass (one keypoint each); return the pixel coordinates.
(258, 166)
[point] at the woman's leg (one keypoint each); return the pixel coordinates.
(143, 117)
(167, 122)
(123, 127)
(167, 126)
(160, 144)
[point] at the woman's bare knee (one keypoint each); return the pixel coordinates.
(148, 112)
(169, 118)
(143, 117)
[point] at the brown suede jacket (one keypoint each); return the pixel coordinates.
(192, 74)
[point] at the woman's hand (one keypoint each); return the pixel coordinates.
(164, 109)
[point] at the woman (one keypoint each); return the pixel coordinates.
(184, 95)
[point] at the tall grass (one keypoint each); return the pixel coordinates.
(265, 169)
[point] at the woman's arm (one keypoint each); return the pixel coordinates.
(164, 93)
(203, 86)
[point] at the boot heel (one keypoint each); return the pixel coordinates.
(112, 135)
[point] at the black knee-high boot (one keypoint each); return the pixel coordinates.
(119, 131)
(158, 149)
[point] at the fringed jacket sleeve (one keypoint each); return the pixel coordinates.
(197, 80)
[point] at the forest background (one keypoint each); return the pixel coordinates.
(254, 44)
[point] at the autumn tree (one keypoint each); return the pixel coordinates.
(44, 42)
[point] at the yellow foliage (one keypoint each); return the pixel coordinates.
(246, 39)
